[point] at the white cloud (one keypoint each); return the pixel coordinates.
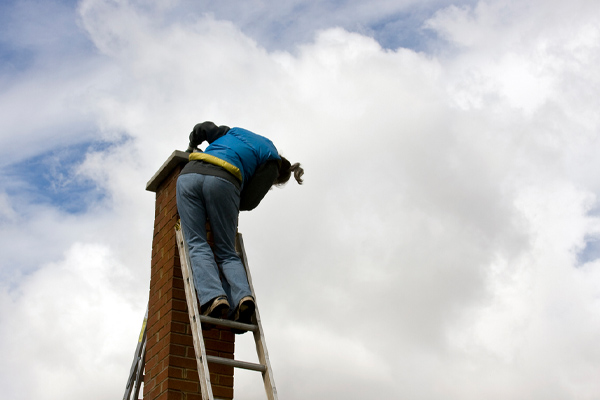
(66, 325)
(7, 213)
(433, 250)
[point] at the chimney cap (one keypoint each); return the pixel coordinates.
(176, 158)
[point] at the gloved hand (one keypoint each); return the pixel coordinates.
(205, 131)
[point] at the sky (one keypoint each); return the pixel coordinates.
(445, 243)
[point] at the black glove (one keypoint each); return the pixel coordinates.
(205, 131)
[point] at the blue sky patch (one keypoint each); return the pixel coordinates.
(52, 179)
(590, 252)
(403, 30)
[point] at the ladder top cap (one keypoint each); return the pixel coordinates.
(176, 158)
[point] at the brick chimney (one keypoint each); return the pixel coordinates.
(171, 372)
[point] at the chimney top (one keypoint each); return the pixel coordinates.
(176, 158)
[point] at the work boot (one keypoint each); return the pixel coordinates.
(245, 310)
(218, 308)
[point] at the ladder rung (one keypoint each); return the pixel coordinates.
(202, 359)
(229, 324)
(236, 364)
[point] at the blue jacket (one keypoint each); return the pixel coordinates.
(243, 149)
(237, 150)
(247, 160)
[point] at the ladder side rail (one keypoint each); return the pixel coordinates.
(140, 372)
(137, 356)
(259, 337)
(195, 323)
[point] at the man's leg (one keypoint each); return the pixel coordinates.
(222, 207)
(191, 207)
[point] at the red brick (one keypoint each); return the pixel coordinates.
(218, 345)
(148, 383)
(220, 369)
(191, 374)
(170, 359)
(178, 304)
(183, 362)
(164, 353)
(181, 385)
(151, 393)
(177, 350)
(223, 392)
(177, 273)
(178, 327)
(150, 362)
(162, 375)
(174, 395)
(227, 335)
(175, 372)
(212, 353)
(167, 241)
(179, 294)
(161, 284)
(168, 395)
(180, 316)
(178, 282)
(169, 372)
(214, 333)
(225, 380)
(191, 352)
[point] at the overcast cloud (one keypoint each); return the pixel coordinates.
(445, 244)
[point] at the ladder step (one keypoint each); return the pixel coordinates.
(237, 364)
(229, 324)
(197, 320)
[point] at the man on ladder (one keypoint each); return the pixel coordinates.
(234, 173)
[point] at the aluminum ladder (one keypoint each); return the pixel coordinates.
(196, 320)
(264, 367)
(136, 373)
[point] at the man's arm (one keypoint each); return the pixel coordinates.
(205, 131)
(258, 186)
